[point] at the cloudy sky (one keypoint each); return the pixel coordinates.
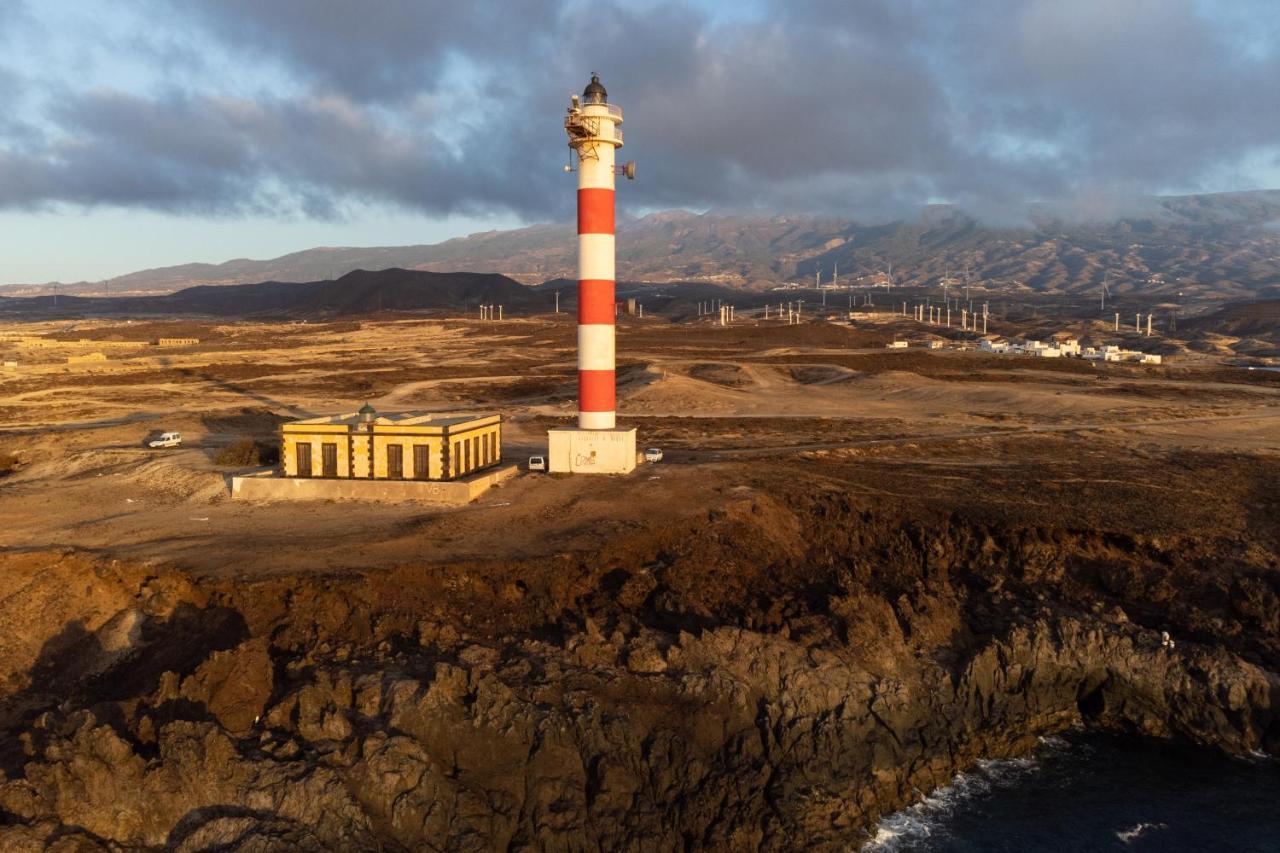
(152, 132)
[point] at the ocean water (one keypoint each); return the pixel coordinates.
(1095, 792)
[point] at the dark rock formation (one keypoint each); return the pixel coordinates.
(778, 680)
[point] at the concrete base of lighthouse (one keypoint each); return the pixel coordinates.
(571, 450)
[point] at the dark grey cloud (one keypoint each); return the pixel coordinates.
(772, 111)
(1149, 93)
(228, 155)
(389, 49)
(10, 10)
(10, 85)
(15, 20)
(870, 107)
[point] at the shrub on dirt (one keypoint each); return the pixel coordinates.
(247, 452)
(8, 463)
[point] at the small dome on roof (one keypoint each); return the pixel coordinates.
(367, 412)
(595, 93)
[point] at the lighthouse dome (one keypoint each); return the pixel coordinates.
(594, 93)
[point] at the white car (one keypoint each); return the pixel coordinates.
(166, 439)
(537, 463)
(653, 454)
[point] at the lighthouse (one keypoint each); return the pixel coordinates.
(597, 444)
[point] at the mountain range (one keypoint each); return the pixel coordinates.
(1225, 246)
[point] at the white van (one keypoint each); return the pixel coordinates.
(166, 439)
(537, 463)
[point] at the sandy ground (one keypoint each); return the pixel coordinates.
(733, 408)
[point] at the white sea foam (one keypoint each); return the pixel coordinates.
(1138, 829)
(907, 829)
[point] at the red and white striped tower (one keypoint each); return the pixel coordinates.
(597, 445)
(592, 125)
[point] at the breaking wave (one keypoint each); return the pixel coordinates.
(1093, 791)
(907, 829)
(1129, 835)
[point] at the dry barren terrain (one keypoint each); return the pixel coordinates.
(731, 406)
(856, 572)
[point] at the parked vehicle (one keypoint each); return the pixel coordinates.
(166, 439)
(653, 454)
(537, 463)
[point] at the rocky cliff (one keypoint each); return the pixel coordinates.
(774, 674)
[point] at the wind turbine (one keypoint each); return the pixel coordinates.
(948, 282)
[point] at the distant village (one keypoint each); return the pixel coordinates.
(1066, 347)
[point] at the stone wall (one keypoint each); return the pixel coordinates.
(267, 486)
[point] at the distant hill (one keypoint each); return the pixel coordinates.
(356, 293)
(1242, 320)
(1223, 246)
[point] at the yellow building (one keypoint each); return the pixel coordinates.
(405, 446)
